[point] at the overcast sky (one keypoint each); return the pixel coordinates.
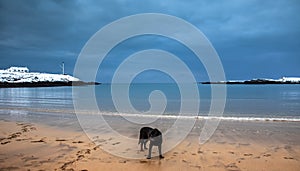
(254, 38)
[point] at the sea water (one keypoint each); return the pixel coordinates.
(243, 102)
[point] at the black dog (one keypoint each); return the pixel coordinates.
(155, 137)
(144, 137)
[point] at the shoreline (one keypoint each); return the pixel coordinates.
(45, 84)
(71, 112)
(234, 146)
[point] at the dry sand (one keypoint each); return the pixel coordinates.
(27, 146)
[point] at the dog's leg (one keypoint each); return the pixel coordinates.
(159, 151)
(142, 143)
(145, 144)
(150, 150)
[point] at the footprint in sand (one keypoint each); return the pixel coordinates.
(23, 139)
(65, 165)
(239, 160)
(289, 158)
(27, 128)
(77, 142)
(200, 152)
(86, 151)
(80, 157)
(60, 140)
(198, 167)
(116, 143)
(14, 135)
(232, 167)
(39, 141)
(267, 155)
(185, 161)
(5, 142)
(96, 148)
(143, 161)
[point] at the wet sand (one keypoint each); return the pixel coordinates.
(234, 146)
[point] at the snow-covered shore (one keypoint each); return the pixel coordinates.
(33, 77)
(283, 80)
(290, 79)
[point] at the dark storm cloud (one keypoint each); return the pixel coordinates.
(253, 38)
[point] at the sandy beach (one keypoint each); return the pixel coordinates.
(241, 146)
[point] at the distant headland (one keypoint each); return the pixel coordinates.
(283, 80)
(21, 77)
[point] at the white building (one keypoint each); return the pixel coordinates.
(17, 69)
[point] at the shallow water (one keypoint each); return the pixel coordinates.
(243, 102)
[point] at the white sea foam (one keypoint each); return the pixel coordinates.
(164, 116)
(228, 118)
(170, 116)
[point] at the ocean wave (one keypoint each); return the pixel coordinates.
(10, 110)
(228, 118)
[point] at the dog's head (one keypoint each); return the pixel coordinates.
(155, 135)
